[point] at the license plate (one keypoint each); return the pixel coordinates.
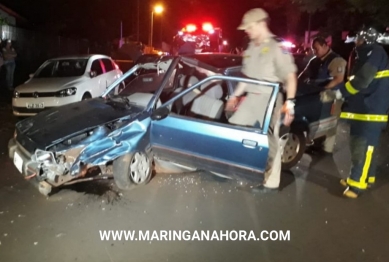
(35, 105)
(18, 162)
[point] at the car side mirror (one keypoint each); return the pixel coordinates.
(93, 74)
(160, 113)
(31, 75)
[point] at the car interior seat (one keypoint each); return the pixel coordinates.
(213, 89)
(186, 82)
(208, 107)
(142, 99)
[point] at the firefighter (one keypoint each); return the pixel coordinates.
(326, 66)
(366, 96)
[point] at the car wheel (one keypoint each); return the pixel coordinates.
(86, 96)
(294, 143)
(132, 170)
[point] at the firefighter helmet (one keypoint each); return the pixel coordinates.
(368, 34)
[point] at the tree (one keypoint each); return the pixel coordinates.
(374, 12)
(293, 9)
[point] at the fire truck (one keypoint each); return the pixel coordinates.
(204, 38)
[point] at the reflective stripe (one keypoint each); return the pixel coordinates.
(382, 74)
(379, 74)
(364, 117)
(351, 89)
(362, 184)
(371, 180)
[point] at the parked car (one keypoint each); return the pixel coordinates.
(173, 117)
(64, 80)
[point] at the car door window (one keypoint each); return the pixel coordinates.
(107, 65)
(208, 101)
(96, 67)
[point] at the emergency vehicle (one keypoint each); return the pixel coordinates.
(205, 38)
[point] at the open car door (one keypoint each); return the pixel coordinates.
(202, 140)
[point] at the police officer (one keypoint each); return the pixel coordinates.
(265, 59)
(366, 94)
(326, 66)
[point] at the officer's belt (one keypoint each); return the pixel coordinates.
(379, 74)
(364, 117)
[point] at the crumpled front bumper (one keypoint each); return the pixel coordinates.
(27, 167)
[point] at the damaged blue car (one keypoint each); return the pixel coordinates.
(168, 115)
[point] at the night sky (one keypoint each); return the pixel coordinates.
(100, 19)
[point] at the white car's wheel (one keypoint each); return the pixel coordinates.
(86, 96)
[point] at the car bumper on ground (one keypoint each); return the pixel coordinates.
(32, 106)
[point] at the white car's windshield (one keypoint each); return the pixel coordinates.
(62, 68)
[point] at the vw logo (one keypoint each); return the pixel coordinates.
(36, 94)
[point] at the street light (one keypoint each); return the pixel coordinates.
(158, 9)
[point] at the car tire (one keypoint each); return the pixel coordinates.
(295, 143)
(131, 170)
(86, 96)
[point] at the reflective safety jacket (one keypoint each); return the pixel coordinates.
(367, 91)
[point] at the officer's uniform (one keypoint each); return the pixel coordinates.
(366, 108)
(331, 65)
(267, 62)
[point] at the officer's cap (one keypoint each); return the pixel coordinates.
(252, 16)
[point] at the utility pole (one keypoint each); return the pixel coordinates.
(151, 29)
(121, 34)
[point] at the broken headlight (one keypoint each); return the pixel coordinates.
(44, 157)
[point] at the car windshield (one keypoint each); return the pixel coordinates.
(139, 87)
(62, 68)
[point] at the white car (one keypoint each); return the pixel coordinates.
(64, 80)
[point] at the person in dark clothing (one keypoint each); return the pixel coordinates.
(9, 55)
(366, 96)
(326, 65)
(329, 68)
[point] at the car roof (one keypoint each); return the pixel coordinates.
(87, 56)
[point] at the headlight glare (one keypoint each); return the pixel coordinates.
(67, 92)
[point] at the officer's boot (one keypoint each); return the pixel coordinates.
(352, 192)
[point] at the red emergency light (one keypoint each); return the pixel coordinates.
(191, 28)
(288, 44)
(207, 27)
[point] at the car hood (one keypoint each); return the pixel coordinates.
(55, 125)
(50, 84)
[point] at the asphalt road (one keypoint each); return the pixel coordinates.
(323, 225)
